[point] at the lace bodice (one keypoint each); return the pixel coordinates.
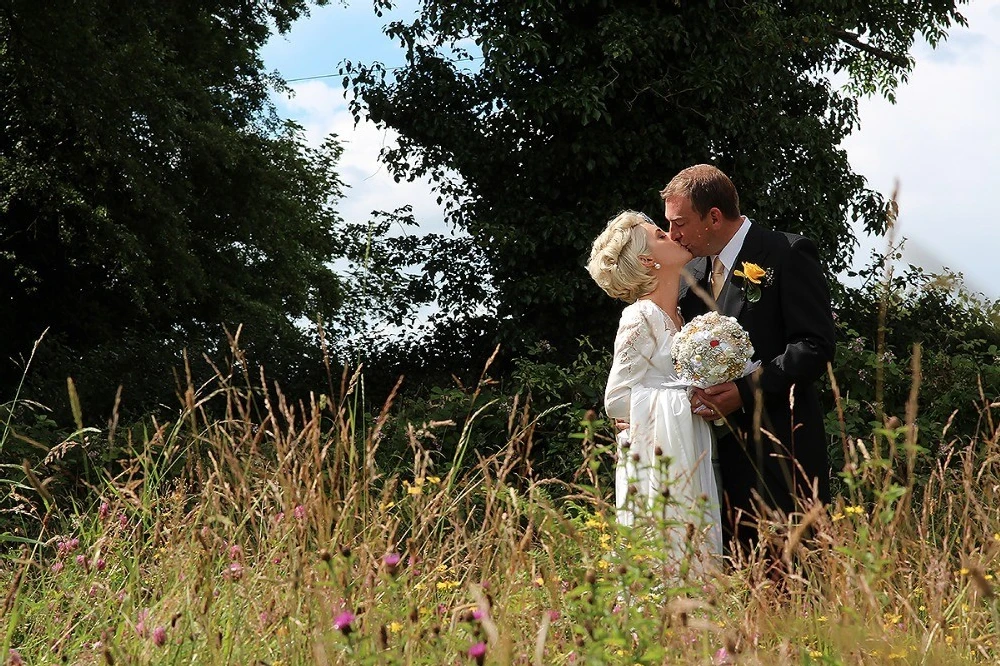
(642, 355)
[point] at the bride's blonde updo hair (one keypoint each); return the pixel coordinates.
(614, 259)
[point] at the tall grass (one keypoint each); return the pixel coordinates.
(249, 530)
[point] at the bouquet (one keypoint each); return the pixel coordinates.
(712, 349)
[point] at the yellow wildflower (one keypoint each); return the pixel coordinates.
(855, 510)
(821, 618)
(395, 627)
(838, 516)
(815, 654)
(602, 564)
(434, 479)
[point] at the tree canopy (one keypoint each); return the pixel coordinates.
(538, 122)
(150, 198)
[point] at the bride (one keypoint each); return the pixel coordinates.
(666, 452)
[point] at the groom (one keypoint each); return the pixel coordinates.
(772, 283)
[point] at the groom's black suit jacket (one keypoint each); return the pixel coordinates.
(793, 334)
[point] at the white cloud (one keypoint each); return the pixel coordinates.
(322, 110)
(938, 141)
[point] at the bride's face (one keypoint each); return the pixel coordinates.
(662, 249)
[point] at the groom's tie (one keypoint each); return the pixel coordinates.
(718, 276)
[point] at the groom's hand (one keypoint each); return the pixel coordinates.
(716, 401)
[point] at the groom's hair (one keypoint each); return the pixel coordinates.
(707, 187)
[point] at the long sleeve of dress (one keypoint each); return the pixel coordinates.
(665, 446)
(635, 345)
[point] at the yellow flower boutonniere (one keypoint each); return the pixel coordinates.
(753, 277)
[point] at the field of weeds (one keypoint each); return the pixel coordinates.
(251, 531)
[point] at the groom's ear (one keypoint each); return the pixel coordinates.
(715, 215)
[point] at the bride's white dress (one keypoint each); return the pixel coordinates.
(643, 389)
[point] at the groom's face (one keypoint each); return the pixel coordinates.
(689, 229)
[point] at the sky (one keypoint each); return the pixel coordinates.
(938, 141)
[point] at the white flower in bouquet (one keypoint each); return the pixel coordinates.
(712, 349)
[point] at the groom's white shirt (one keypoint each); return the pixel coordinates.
(733, 247)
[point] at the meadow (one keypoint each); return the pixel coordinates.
(248, 530)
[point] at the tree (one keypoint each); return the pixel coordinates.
(537, 122)
(149, 197)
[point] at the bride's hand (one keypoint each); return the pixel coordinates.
(621, 424)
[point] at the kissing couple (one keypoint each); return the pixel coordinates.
(770, 451)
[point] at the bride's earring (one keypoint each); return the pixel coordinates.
(656, 265)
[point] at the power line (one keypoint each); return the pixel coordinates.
(388, 69)
(311, 78)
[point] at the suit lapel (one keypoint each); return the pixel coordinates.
(704, 280)
(696, 271)
(691, 303)
(733, 298)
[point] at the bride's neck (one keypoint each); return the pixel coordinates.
(666, 293)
